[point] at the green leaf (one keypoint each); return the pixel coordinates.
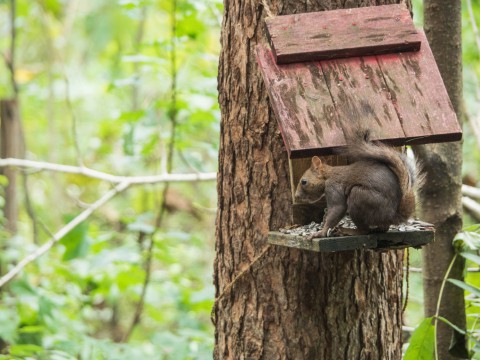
(22, 287)
(25, 350)
(32, 329)
(129, 140)
(452, 325)
(470, 288)
(143, 223)
(467, 240)
(472, 257)
(76, 241)
(45, 307)
(8, 325)
(3, 180)
(472, 228)
(458, 345)
(421, 345)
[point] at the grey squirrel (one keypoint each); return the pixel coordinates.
(376, 189)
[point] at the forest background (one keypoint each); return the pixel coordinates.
(128, 87)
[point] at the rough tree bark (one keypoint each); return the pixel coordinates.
(440, 198)
(289, 304)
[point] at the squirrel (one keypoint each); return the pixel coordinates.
(376, 189)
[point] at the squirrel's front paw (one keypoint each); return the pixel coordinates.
(319, 234)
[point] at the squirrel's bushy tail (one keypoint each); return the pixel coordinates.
(407, 171)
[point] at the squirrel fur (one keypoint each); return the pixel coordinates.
(376, 189)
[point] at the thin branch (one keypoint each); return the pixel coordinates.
(134, 180)
(61, 233)
(136, 65)
(474, 23)
(13, 37)
(472, 207)
(173, 87)
(471, 191)
(408, 329)
(419, 270)
(74, 128)
(474, 122)
(29, 207)
(141, 302)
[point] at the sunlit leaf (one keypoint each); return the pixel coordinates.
(472, 257)
(470, 288)
(8, 325)
(452, 325)
(33, 329)
(458, 344)
(25, 349)
(421, 345)
(467, 239)
(76, 241)
(3, 180)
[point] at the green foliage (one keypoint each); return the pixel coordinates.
(421, 345)
(465, 342)
(135, 83)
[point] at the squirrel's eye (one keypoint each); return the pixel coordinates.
(303, 182)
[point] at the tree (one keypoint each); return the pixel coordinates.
(276, 303)
(440, 198)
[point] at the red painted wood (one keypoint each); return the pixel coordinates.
(361, 98)
(419, 96)
(342, 33)
(302, 104)
(401, 97)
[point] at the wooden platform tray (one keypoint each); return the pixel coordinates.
(342, 33)
(400, 97)
(382, 241)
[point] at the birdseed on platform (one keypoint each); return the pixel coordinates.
(347, 223)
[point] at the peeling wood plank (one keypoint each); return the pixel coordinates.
(361, 97)
(419, 96)
(302, 103)
(342, 33)
(383, 241)
(314, 101)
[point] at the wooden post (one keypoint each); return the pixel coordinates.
(10, 147)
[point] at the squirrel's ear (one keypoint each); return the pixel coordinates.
(316, 162)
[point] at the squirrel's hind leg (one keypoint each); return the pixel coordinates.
(370, 210)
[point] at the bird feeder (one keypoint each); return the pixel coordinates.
(368, 67)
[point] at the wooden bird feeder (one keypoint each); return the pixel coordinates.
(325, 71)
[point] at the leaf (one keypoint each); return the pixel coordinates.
(33, 329)
(458, 345)
(22, 287)
(76, 241)
(142, 223)
(472, 257)
(421, 345)
(3, 180)
(467, 239)
(45, 307)
(472, 228)
(8, 325)
(470, 288)
(452, 325)
(25, 350)
(129, 140)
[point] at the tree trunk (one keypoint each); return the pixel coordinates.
(273, 302)
(440, 198)
(10, 147)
